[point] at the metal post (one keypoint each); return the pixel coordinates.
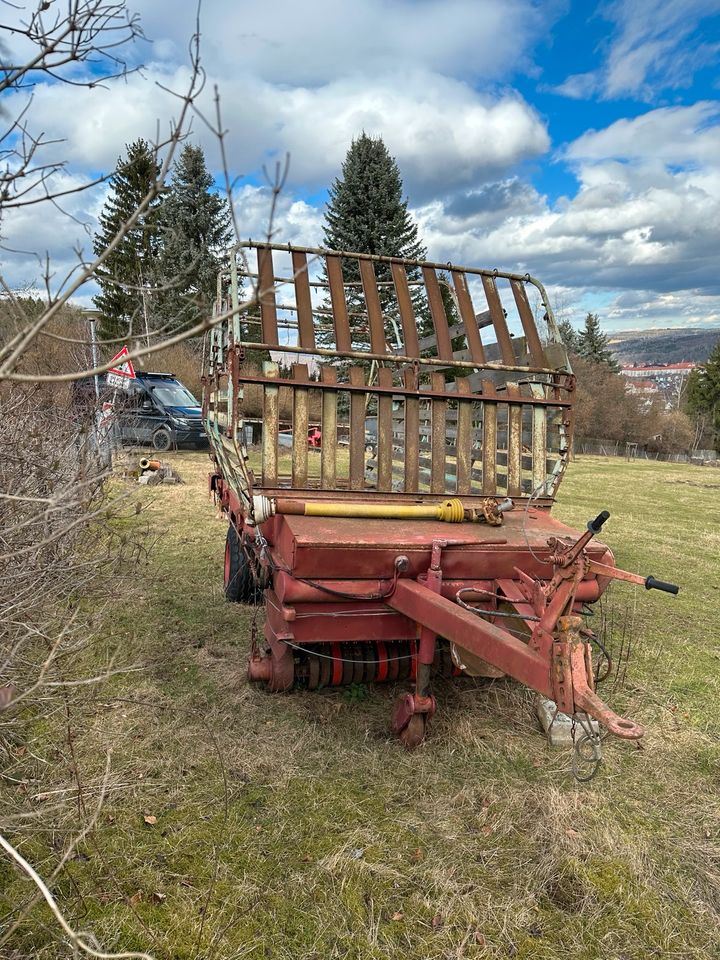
(93, 345)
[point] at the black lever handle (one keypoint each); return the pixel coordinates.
(652, 584)
(595, 526)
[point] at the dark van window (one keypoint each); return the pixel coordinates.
(173, 395)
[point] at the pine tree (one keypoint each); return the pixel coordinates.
(569, 336)
(366, 213)
(127, 276)
(704, 392)
(592, 343)
(195, 230)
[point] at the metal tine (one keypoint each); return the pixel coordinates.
(328, 442)
(271, 420)
(266, 292)
(498, 318)
(407, 314)
(384, 432)
(343, 339)
(437, 312)
(303, 300)
(374, 310)
(528, 322)
(357, 429)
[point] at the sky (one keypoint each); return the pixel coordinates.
(575, 140)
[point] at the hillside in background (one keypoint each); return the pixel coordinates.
(664, 346)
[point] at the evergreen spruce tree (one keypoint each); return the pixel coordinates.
(592, 343)
(366, 213)
(195, 230)
(703, 394)
(569, 336)
(127, 276)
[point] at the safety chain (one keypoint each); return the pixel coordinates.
(587, 750)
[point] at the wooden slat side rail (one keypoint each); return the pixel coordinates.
(266, 292)
(357, 430)
(468, 317)
(328, 443)
(464, 442)
(306, 327)
(498, 318)
(528, 322)
(300, 426)
(514, 445)
(489, 457)
(539, 443)
(372, 304)
(437, 312)
(407, 314)
(438, 408)
(343, 340)
(271, 421)
(412, 434)
(384, 433)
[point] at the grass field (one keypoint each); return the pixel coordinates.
(241, 824)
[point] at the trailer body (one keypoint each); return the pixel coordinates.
(388, 440)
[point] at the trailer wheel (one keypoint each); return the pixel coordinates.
(240, 586)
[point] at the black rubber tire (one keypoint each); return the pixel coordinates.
(240, 586)
(162, 439)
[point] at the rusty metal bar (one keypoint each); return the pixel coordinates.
(438, 409)
(357, 430)
(343, 340)
(374, 310)
(528, 322)
(266, 293)
(407, 315)
(467, 315)
(437, 311)
(384, 432)
(412, 433)
(328, 442)
(539, 442)
(304, 300)
(498, 318)
(271, 421)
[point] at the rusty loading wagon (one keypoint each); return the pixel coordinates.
(432, 549)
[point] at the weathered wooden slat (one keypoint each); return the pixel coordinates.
(412, 434)
(270, 431)
(266, 292)
(464, 443)
(328, 441)
(528, 322)
(489, 457)
(384, 432)
(300, 426)
(372, 304)
(357, 430)
(437, 312)
(343, 340)
(407, 314)
(306, 327)
(498, 318)
(514, 445)
(471, 321)
(539, 443)
(439, 408)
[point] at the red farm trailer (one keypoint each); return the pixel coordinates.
(413, 535)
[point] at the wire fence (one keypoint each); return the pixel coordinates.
(637, 451)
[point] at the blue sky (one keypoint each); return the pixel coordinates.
(576, 140)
